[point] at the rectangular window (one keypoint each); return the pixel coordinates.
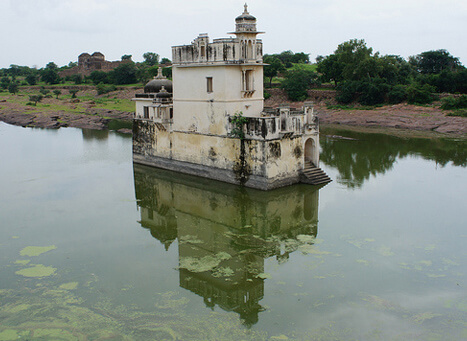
(146, 112)
(209, 84)
(249, 80)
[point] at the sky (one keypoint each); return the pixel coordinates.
(35, 32)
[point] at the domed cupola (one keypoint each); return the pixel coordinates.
(159, 82)
(163, 95)
(245, 22)
(245, 15)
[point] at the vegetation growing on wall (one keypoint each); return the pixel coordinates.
(241, 168)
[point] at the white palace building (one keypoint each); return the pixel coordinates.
(210, 121)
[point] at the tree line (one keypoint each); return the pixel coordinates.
(126, 73)
(359, 75)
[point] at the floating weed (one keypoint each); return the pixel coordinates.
(22, 262)
(379, 302)
(449, 262)
(169, 300)
(9, 334)
(189, 239)
(405, 266)
(263, 275)
(435, 276)
(385, 251)
(203, 264)
(304, 238)
(33, 251)
(223, 272)
(462, 306)
(426, 262)
(308, 249)
(363, 261)
(38, 270)
(14, 237)
(420, 318)
(355, 242)
(69, 286)
(54, 334)
(13, 309)
(430, 247)
(279, 337)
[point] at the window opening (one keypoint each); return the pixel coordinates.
(209, 84)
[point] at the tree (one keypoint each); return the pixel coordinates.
(273, 68)
(73, 92)
(433, 62)
(31, 79)
(5, 82)
(151, 58)
(297, 82)
(330, 69)
(13, 87)
(35, 99)
(51, 65)
(166, 61)
(50, 76)
(420, 94)
(126, 57)
(167, 72)
(57, 93)
(124, 74)
(99, 77)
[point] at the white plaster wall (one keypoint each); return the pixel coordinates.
(197, 110)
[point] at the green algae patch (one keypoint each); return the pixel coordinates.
(420, 318)
(223, 272)
(69, 286)
(33, 251)
(38, 270)
(54, 334)
(13, 309)
(9, 334)
(22, 262)
(263, 275)
(203, 264)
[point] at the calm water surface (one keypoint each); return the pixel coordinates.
(93, 247)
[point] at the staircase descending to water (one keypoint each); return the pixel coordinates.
(314, 175)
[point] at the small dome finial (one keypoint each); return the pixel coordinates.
(159, 73)
(246, 9)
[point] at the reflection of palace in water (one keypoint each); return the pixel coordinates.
(225, 232)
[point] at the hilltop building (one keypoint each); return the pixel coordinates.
(211, 120)
(87, 63)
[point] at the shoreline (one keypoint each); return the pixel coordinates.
(399, 119)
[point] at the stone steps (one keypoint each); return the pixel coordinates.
(314, 175)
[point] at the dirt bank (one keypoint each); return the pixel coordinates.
(96, 112)
(399, 116)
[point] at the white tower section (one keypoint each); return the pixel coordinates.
(215, 80)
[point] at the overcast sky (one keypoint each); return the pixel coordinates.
(35, 32)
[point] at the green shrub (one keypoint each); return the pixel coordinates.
(34, 99)
(420, 94)
(450, 103)
(461, 113)
(397, 94)
(346, 92)
(372, 92)
(104, 89)
(267, 95)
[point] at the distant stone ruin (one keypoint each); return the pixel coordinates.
(87, 63)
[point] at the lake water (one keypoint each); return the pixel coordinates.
(93, 247)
